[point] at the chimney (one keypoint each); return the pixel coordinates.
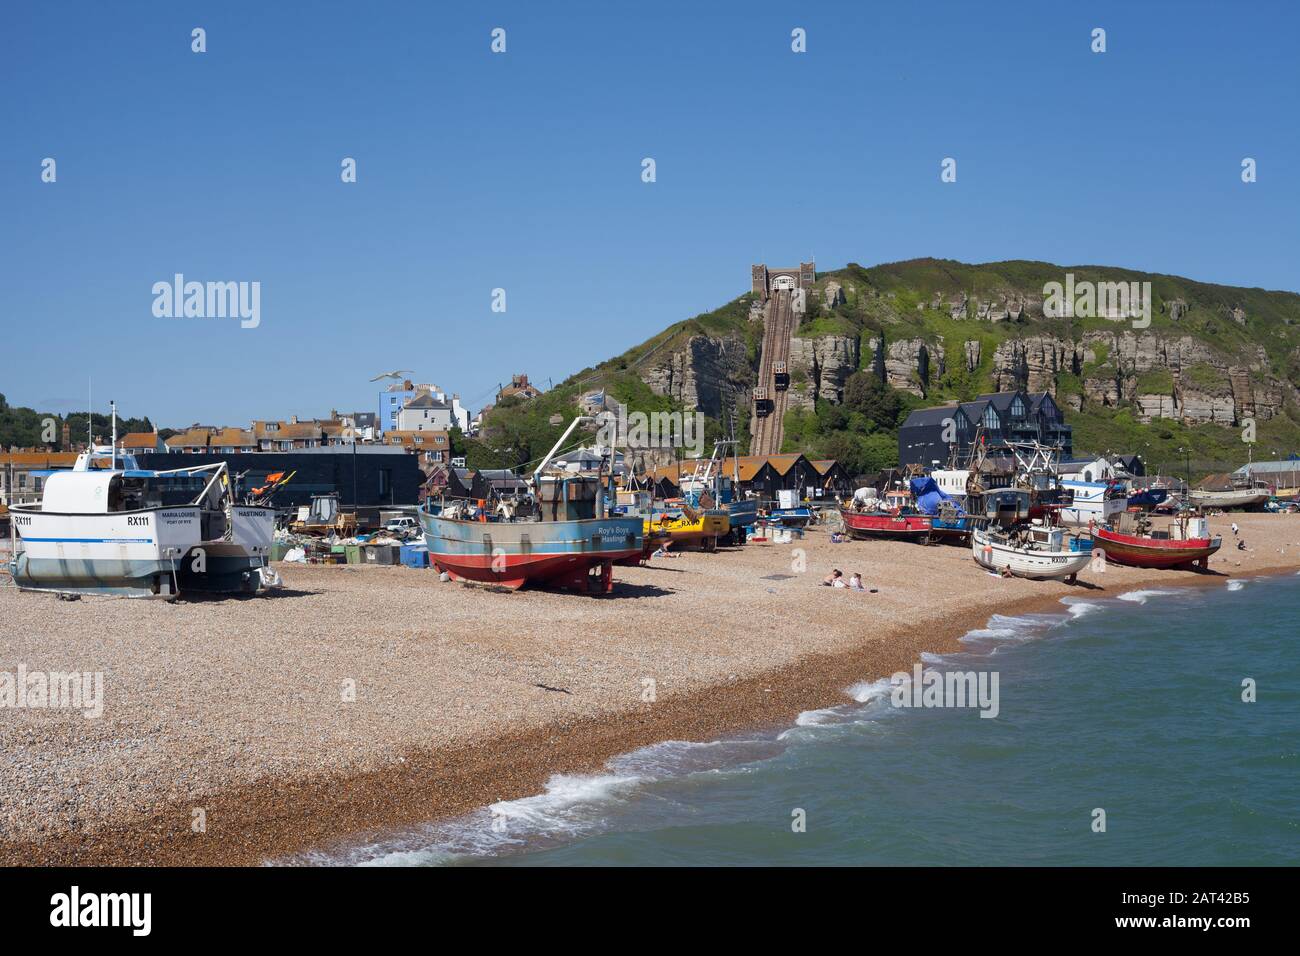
(293, 419)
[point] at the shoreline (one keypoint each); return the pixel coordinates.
(280, 817)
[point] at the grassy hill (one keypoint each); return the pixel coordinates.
(1235, 327)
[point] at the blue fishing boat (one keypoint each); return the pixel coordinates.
(1148, 498)
(797, 517)
(558, 535)
(948, 520)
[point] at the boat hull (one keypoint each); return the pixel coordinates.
(703, 532)
(156, 552)
(791, 517)
(1034, 565)
(743, 512)
(955, 530)
(1244, 500)
(577, 555)
(1155, 553)
(860, 525)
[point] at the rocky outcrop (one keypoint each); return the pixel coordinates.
(834, 294)
(907, 364)
(972, 349)
(1031, 363)
(1204, 386)
(704, 374)
(1006, 307)
(824, 364)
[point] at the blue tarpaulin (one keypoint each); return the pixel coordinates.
(929, 496)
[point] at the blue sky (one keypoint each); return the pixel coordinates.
(523, 171)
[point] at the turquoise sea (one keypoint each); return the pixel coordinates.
(1129, 705)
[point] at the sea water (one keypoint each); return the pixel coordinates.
(1125, 734)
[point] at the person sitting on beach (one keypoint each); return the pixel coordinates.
(1006, 571)
(855, 582)
(1234, 529)
(663, 552)
(1241, 544)
(834, 580)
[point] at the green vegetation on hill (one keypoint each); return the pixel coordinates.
(896, 301)
(22, 427)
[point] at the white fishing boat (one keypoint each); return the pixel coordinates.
(1245, 496)
(1036, 551)
(140, 533)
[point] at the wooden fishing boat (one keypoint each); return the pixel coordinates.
(1036, 551)
(1245, 497)
(557, 536)
(1185, 543)
(687, 527)
(951, 527)
(796, 517)
(885, 524)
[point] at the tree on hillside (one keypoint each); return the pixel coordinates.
(867, 395)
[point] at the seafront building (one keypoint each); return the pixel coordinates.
(931, 436)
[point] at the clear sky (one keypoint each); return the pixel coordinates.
(523, 170)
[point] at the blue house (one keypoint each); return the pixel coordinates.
(391, 401)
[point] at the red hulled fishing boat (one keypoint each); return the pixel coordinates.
(1186, 543)
(884, 524)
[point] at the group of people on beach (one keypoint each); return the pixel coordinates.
(836, 580)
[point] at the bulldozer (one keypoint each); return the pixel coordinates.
(323, 517)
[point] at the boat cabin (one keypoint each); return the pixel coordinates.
(106, 492)
(568, 497)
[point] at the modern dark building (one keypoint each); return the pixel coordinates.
(932, 434)
(361, 475)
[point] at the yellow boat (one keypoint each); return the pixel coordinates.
(686, 528)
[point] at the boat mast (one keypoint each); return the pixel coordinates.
(113, 453)
(556, 447)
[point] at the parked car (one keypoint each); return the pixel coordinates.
(405, 525)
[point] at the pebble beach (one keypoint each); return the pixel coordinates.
(361, 698)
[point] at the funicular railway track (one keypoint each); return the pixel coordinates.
(768, 430)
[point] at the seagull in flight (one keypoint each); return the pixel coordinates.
(396, 373)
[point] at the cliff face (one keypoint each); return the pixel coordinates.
(821, 366)
(704, 373)
(1162, 377)
(940, 330)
